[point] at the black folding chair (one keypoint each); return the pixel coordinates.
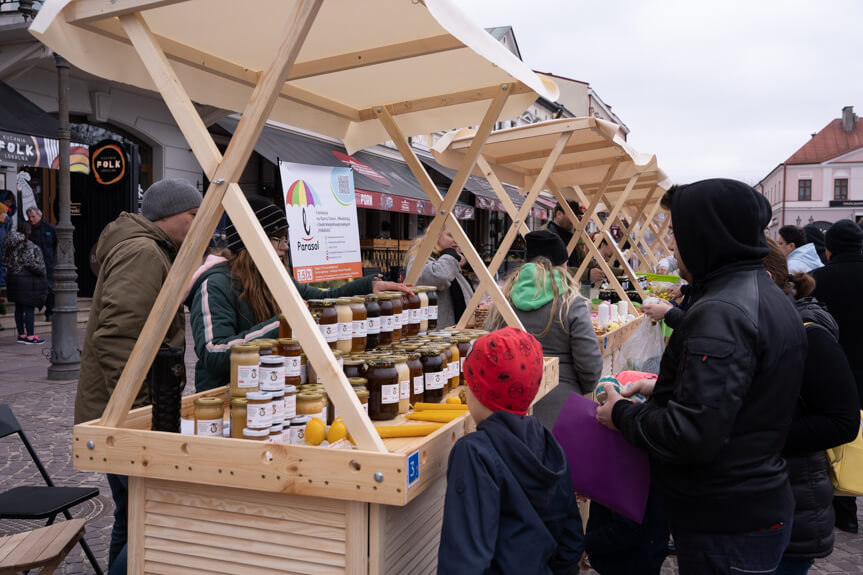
(40, 502)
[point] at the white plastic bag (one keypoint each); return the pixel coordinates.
(643, 350)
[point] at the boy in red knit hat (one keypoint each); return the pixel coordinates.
(510, 505)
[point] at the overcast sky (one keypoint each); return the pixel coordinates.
(714, 89)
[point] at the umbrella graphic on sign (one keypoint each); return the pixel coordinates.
(301, 196)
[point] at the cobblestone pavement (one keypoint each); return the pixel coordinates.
(45, 409)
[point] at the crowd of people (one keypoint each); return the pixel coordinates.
(758, 378)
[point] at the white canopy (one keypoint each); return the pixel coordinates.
(427, 63)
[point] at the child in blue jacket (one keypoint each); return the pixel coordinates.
(510, 506)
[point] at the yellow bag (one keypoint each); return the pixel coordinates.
(846, 466)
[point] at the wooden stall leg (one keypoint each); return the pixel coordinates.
(135, 541)
(261, 103)
(357, 544)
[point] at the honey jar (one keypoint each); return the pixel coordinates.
(345, 316)
(209, 414)
(244, 369)
(358, 324)
(383, 387)
(238, 417)
(259, 410)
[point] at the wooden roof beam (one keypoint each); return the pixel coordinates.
(543, 153)
(83, 11)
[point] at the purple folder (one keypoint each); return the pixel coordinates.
(603, 466)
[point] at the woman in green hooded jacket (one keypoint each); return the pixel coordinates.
(542, 294)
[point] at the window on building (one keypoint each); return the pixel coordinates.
(840, 189)
(804, 190)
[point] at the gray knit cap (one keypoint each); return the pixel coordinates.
(168, 197)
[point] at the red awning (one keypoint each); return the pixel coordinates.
(392, 203)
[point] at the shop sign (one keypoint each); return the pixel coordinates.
(108, 163)
(361, 168)
(321, 209)
(391, 203)
(846, 203)
(41, 152)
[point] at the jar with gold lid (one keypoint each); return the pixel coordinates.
(327, 320)
(311, 403)
(383, 386)
(291, 351)
(431, 293)
(358, 324)
(413, 307)
(298, 429)
(358, 381)
(238, 417)
(275, 433)
(244, 369)
(373, 321)
(401, 362)
(290, 402)
(417, 380)
(265, 346)
(455, 364)
(345, 316)
(464, 347)
(271, 374)
(386, 304)
(434, 369)
(209, 414)
(354, 368)
(422, 292)
(259, 410)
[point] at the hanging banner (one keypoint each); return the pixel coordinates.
(321, 209)
(41, 152)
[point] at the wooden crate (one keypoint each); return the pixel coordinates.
(611, 342)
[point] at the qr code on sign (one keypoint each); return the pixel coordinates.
(304, 274)
(344, 186)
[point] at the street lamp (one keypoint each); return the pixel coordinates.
(798, 221)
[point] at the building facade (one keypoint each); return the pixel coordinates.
(822, 182)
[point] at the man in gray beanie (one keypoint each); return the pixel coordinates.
(134, 254)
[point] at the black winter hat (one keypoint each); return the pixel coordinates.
(272, 219)
(546, 244)
(844, 237)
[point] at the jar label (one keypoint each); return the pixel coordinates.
(346, 331)
(247, 376)
(358, 328)
(397, 321)
(290, 406)
(419, 386)
(424, 312)
(293, 366)
(405, 317)
(386, 323)
(298, 434)
(415, 315)
(435, 380)
(277, 413)
(390, 394)
(405, 389)
(304, 373)
(330, 332)
(373, 325)
(209, 427)
(259, 416)
(271, 377)
(432, 312)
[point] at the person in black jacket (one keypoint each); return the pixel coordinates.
(825, 416)
(510, 506)
(839, 285)
(44, 235)
(728, 383)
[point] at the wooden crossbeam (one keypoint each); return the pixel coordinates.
(436, 227)
(542, 153)
(500, 191)
(520, 217)
(469, 250)
(83, 11)
(578, 228)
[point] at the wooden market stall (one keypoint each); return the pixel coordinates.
(363, 72)
(583, 159)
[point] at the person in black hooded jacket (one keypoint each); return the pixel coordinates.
(510, 506)
(729, 379)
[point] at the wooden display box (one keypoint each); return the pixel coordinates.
(221, 505)
(612, 341)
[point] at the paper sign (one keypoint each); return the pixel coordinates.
(321, 209)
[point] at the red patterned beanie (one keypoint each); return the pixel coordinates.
(504, 370)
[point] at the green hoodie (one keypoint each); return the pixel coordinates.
(525, 294)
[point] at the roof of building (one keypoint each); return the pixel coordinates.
(829, 143)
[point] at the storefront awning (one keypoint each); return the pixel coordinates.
(28, 135)
(380, 183)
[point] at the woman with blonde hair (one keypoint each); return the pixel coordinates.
(550, 308)
(443, 271)
(230, 303)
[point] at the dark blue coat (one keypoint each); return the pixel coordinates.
(45, 236)
(510, 505)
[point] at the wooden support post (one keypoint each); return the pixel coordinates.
(498, 188)
(228, 170)
(520, 217)
(436, 226)
(435, 198)
(579, 228)
(640, 241)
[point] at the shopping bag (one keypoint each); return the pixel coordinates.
(846, 466)
(603, 466)
(643, 350)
